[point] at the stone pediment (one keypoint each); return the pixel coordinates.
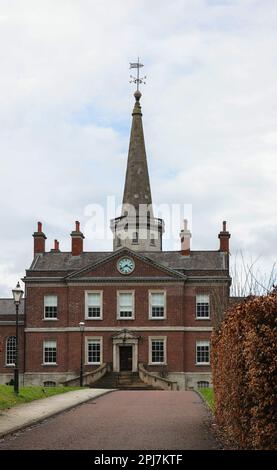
(125, 335)
(144, 268)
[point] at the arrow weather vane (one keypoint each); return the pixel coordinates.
(136, 65)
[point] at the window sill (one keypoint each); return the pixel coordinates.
(203, 319)
(95, 319)
(125, 318)
(157, 318)
(10, 366)
(50, 319)
(157, 363)
(201, 364)
(93, 363)
(54, 364)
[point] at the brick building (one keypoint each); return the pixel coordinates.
(143, 308)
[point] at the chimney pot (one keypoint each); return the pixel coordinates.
(77, 240)
(39, 240)
(224, 236)
(185, 236)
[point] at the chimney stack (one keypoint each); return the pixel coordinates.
(185, 236)
(56, 248)
(224, 236)
(77, 240)
(39, 240)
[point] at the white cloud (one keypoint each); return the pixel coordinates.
(209, 116)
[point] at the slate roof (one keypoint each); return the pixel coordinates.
(7, 307)
(198, 260)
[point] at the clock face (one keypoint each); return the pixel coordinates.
(125, 265)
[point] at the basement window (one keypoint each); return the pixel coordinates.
(49, 383)
(203, 384)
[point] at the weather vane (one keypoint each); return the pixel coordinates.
(137, 65)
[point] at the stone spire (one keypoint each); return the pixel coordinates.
(137, 185)
(137, 228)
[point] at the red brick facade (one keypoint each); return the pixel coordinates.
(57, 282)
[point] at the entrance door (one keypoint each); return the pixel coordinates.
(125, 357)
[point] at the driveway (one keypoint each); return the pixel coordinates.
(139, 420)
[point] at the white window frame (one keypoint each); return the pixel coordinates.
(43, 352)
(197, 302)
(204, 342)
(118, 304)
(87, 304)
(150, 304)
(11, 364)
(157, 338)
(50, 318)
(98, 339)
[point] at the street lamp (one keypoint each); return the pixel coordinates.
(82, 329)
(17, 295)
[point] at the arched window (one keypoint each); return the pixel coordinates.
(10, 351)
(203, 384)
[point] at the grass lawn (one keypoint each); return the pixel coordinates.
(208, 395)
(8, 398)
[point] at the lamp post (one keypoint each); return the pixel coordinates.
(82, 329)
(17, 295)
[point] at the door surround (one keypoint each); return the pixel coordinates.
(125, 338)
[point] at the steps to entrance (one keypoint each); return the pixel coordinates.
(122, 381)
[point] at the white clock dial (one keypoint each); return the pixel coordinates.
(125, 265)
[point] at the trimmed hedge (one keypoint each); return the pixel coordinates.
(244, 364)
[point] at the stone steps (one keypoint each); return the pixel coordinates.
(122, 381)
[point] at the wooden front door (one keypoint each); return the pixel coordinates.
(125, 357)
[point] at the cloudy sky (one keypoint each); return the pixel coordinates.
(210, 116)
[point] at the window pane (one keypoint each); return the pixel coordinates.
(50, 306)
(94, 299)
(203, 352)
(202, 306)
(157, 312)
(202, 298)
(157, 304)
(94, 351)
(94, 312)
(157, 351)
(50, 352)
(126, 305)
(126, 300)
(11, 351)
(203, 384)
(50, 300)
(157, 299)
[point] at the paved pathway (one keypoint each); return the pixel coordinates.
(24, 415)
(124, 420)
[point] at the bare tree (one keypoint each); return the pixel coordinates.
(248, 278)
